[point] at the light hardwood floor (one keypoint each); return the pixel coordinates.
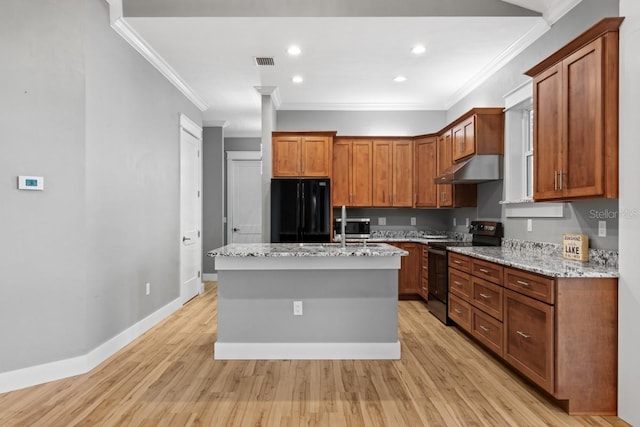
(168, 378)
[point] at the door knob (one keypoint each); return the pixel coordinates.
(236, 229)
(185, 238)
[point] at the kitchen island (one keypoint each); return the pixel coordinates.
(307, 301)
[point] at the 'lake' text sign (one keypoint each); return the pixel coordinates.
(575, 246)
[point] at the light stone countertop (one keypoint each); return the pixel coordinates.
(548, 265)
(306, 250)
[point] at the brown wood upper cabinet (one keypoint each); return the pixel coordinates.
(575, 100)
(393, 173)
(425, 170)
(302, 154)
(448, 195)
(479, 131)
(352, 172)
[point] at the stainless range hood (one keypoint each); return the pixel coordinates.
(477, 169)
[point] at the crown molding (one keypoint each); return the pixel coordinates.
(216, 123)
(503, 59)
(270, 90)
(132, 37)
(358, 107)
(558, 9)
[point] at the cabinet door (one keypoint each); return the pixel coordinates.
(409, 275)
(361, 173)
(402, 174)
(425, 167)
(547, 133)
(583, 150)
(286, 156)
(464, 139)
(316, 160)
(445, 191)
(529, 339)
(382, 173)
(340, 179)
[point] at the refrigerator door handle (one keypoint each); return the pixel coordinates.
(303, 222)
(298, 210)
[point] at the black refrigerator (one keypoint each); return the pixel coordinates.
(300, 210)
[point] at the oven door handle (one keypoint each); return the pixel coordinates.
(437, 251)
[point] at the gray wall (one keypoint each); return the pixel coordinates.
(213, 175)
(378, 123)
(43, 248)
(400, 218)
(629, 283)
(242, 144)
(101, 125)
(490, 94)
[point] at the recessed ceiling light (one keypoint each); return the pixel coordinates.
(297, 79)
(400, 79)
(294, 50)
(418, 49)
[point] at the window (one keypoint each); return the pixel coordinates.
(518, 158)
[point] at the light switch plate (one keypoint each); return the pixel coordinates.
(529, 225)
(382, 220)
(413, 220)
(297, 308)
(602, 228)
(454, 221)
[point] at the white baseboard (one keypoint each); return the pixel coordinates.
(314, 351)
(210, 277)
(34, 375)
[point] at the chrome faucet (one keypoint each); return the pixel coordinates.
(343, 225)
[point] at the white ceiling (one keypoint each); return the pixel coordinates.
(346, 62)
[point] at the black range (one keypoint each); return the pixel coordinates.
(484, 233)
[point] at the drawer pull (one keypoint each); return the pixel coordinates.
(485, 296)
(484, 328)
(484, 270)
(520, 282)
(424, 289)
(523, 335)
(455, 282)
(457, 311)
(455, 261)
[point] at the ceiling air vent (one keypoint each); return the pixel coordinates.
(262, 61)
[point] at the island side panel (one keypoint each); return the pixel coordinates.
(339, 306)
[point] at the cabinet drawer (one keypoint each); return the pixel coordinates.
(533, 285)
(487, 270)
(461, 262)
(460, 284)
(460, 312)
(487, 330)
(487, 296)
(528, 338)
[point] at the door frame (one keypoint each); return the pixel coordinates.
(233, 156)
(194, 130)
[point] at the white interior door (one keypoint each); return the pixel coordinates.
(244, 197)
(190, 209)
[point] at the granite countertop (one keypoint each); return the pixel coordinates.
(306, 250)
(545, 264)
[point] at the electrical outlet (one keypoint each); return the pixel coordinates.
(529, 225)
(297, 308)
(382, 220)
(602, 228)
(454, 221)
(466, 222)
(148, 288)
(413, 220)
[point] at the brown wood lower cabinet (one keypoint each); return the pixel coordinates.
(561, 333)
(409, 276)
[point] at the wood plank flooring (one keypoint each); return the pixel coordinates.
(168, 378)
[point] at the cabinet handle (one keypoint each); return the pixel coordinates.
(457, 283)
(424, 289)
(561, 183)
(555, 180)
(457, 311)
(455, 261)
(520, 282)
(485, 296)
(415, 198)
(484, 270)
(523, 335)
(484, 328)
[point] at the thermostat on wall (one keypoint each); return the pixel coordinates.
(30, 183)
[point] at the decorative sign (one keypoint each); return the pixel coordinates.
(575, 246)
